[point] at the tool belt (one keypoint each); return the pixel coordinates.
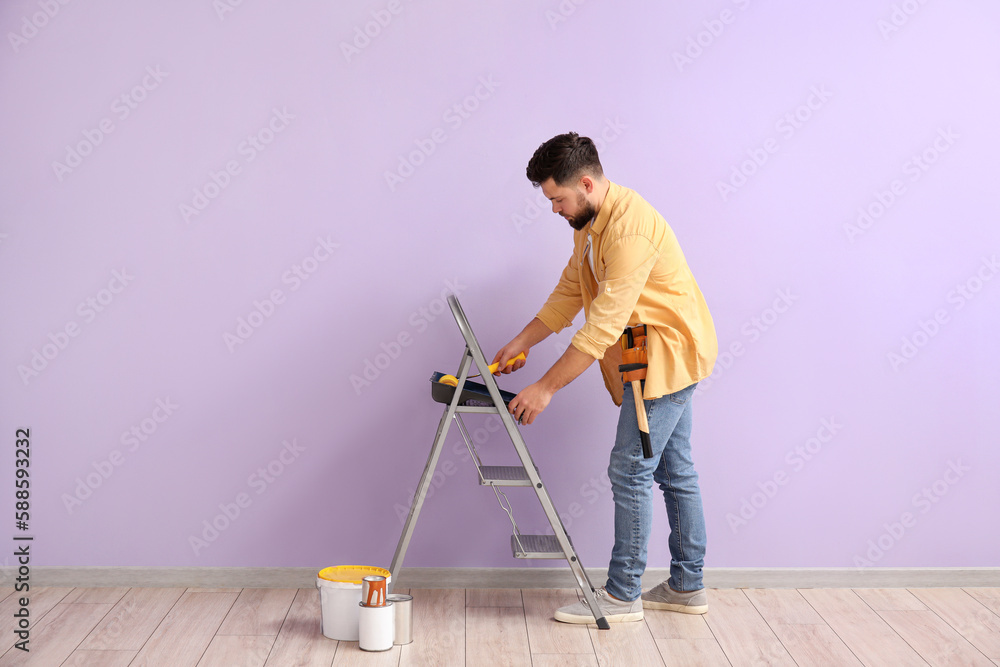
(634, 360)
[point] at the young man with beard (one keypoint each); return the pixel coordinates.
(626, 270)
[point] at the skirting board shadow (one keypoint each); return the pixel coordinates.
(505, 577)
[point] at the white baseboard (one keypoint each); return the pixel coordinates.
(507, 577)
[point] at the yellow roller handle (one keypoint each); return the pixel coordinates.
(453, 381)
(494, 367)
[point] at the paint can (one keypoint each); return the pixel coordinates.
(404, 617)
(373, 590)
(375, 627)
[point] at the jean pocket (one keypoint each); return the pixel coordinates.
(683, 396)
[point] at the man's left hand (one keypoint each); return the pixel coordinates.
(530, 402)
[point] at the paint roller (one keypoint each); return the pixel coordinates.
(453, 381)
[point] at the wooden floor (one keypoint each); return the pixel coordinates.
(176, 627)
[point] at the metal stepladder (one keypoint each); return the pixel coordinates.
(487, 398)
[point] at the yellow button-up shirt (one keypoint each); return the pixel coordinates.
(639, 276)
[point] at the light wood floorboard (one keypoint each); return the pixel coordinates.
(742, 632)
(132, 621)
(164, 627)
(80, 658)
(625, 644)
(237, 651)
(783, 606)
(966, 614)
(691, 653)
(438, 628)
(670, 625)
(563, 660)
(100, 595)
(258, 611)
(861, 628)
(812, 645)
(41, 601)
(989, 597)
(890, 599)
(57, 635)
(349, 654)
(493, 597)
(186, 631)
(300, 642)
(496, 636)
(800, 629)
(545, 635)
(936, 641)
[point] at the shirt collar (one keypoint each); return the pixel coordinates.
(597, 226)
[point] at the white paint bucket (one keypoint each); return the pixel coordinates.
(340, 597)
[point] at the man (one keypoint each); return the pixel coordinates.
(626, 269)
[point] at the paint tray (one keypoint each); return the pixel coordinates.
(473, 393)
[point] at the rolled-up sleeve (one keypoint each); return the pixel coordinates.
(628, 263)
(565, 301)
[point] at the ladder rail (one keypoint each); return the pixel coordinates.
(472, 345)
(425, 479)
(474, 354)
(520, 447)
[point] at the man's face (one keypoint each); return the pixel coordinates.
(570, 202)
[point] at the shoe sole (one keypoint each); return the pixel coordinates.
(611, 618)
(684, 609)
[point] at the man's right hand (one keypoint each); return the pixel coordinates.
(532, 334)
(508, 352)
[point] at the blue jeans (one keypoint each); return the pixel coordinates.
(632, 478)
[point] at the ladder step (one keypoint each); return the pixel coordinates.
(536, 546)
(504, 476)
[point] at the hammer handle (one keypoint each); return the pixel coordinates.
(640, 414)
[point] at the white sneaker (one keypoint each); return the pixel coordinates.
(615, 611)
(664, 597)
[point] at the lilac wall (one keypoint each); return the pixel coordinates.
(172, 170)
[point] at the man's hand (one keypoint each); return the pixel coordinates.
(508, 352)
(534, 398)
(532, 334)
(530, 402)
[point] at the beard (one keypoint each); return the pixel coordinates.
(585, 215)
